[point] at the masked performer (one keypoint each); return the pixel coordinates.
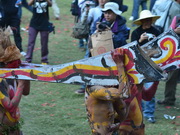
(11, 91)
(117, 109)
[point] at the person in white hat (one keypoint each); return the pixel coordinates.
(145, 21)
(112, 19)
(145, 32)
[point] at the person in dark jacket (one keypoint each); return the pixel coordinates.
(145, 21)
(11, 18)
(113, 19)
(173, 76)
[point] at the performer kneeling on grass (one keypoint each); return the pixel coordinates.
(10, 90)
(117, 110)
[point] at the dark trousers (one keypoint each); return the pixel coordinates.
(170, 87)
(13, 21)
(136, 5)
(44, 36)
(152, 2)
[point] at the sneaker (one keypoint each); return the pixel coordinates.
(131, 18)
(23, 53)
(25, 29)
(57, 18)
(80, 91)
(163, 102)
(151, 120)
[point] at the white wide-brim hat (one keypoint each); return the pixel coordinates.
(113, 7)
(145, 14)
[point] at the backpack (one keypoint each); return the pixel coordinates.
(75, 10)
(80, 30)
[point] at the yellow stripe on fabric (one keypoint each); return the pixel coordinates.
(2, 96)
(176, 57)
(61, 71)
(86, 67)
(134, 76)
(11, 118)
(79, 67)
(170, 52)
(103, 123)
(136, 114)
(1, 79)
(22, 70)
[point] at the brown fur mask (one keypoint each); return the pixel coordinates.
(8, 51)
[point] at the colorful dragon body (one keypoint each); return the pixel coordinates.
(102, 70)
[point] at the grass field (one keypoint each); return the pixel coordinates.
(54, 108)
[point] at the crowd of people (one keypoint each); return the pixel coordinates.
(95, 12)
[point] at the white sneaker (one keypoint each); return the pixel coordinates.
(23, 53)
(131, 18)
(24, 29)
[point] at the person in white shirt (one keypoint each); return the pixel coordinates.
(95, 13)
(56, 10)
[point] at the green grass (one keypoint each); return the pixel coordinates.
(54, 108)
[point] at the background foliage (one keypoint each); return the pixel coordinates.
(54, 108)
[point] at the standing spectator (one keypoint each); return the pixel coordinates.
(152, 2)
(140, 34)
(95, 14)
(161, 7)
(84, 6)
(11, 18)
(76, 12)
(148, 107)
(92, 14)
(39, 23)
(135, 10)
(174, 10)
(167, 9)
(56, 10)
(171, 83)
